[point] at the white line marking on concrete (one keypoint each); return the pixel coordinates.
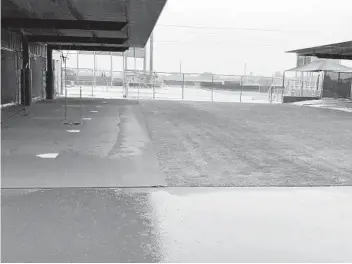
(105, 102)
(48, 155)
(99, 106)
(74, 131)
(94, 111)
(86, 118)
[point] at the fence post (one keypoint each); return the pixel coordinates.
(65, 121)
(183, 86)
(271, 93)
(80, 102)
(153, 82)
(212, 87)
(241, 84)
(92, 83)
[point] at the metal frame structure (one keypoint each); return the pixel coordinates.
(339, 51)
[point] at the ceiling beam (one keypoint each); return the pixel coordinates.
(74, 39)
(62, 24)
(88, 48)
(76, 14)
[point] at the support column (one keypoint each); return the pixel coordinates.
(77, 70)
(49, 89)
(111, 79)
(151, 55)
(26, 75)
(126, 63)
(145, 60)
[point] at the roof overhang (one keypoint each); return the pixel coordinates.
(103, 24)
(341, 51)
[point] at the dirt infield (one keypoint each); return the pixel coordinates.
(229, 144)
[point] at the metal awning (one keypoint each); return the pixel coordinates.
(322, 65)
(108, 25)
(341, 51)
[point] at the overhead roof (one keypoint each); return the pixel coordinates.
(83, 24)
(342, 51)
(322, 65)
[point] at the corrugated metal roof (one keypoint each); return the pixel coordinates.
(341, 50)
(322, 65)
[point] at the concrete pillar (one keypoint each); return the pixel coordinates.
(145, 60)
(49, 89)
(26, 75)
(151, 55)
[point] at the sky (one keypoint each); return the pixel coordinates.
(237, 36)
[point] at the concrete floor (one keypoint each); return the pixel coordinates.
(113, 149)
(177, 225)
(97, 201)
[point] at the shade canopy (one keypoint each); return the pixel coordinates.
(340, 51)
(322, 65)
(105, 25)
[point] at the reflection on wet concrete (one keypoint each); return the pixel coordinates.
(177, 225)
(253, 224)
(77, 225)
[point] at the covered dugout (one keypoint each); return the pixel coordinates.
(321, 78)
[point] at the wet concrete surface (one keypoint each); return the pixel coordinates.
(338, 104)
(177, 225)
(113, 149)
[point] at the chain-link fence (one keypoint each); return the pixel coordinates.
(309, 85)
(172, 86)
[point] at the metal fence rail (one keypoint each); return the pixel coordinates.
(172, 86)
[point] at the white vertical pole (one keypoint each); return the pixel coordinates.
(80, 103)
(77, 69)
(151, 55)
(135, 69)
(93, 74)
(65, 121)
(241, 84)
(180, 67)
(145, 61)
(111, 70)
(183, 86)
(212, 87)
(123, 75)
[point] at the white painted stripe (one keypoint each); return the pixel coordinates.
(94, 111)
(73, 131)
(86, 118)
(99, 106)
(48, 155)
